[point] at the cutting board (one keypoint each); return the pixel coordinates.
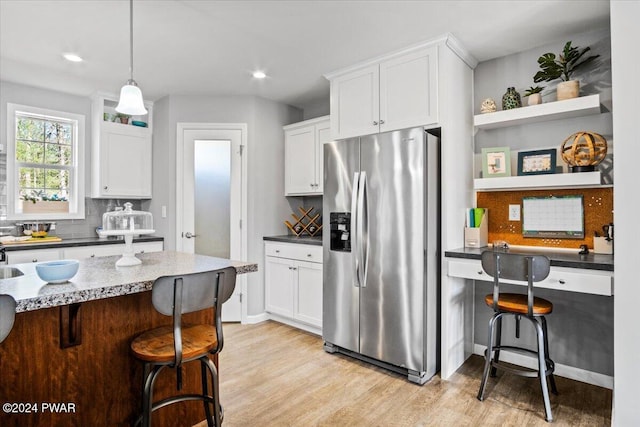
(48, 239)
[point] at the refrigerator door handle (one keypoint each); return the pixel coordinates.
(354, 233)
(362, 237)
(364, 234)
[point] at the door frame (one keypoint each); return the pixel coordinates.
(180, 140)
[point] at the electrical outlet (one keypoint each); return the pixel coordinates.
(514, 212)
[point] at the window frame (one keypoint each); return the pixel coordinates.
(76, 174)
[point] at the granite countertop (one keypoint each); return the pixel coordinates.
(304, 240)
(84, 241)
(564, 258)
(99, 278)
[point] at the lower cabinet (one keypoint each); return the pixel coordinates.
(78, 252)
(293, 282)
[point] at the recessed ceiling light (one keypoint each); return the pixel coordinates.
(72, 57)
(259, 75)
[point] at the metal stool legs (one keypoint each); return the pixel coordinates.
(151, 373)
(545, 364)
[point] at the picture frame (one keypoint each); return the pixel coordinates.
(496, 162)
(537, 162)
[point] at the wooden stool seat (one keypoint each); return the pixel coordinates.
(517, 303)
(157, 345)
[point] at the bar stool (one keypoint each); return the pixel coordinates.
(529, 268)
(7, 315)
(176, 344)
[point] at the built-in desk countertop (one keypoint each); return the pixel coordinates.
(570, 271)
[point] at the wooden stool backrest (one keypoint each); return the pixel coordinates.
(7, 315)
(521, 267)
(180, 294)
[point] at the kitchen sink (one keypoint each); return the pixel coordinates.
(9, 272)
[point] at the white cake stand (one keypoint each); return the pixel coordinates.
(128, 257)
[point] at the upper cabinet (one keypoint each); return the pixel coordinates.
(394, 92)
(121, 154)
(303, 168)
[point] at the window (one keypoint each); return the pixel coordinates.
(45, 156)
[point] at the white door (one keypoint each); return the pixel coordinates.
(210, 197)
(279, 283)
(355, 106)
(408, 90)
(300, 157)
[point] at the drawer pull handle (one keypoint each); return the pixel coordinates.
(92, 255)
(480, 272)
(562, 282)
(277, 251)
(34, 260)
(309, 255)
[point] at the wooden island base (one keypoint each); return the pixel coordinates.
(98, 381)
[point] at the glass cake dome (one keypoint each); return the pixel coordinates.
(127, 223)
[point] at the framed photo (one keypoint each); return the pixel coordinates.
(537, 162)
(496, 162)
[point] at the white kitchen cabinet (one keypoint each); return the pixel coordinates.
(82, 252)
(120, 153)
(78, 252)
(293, 282)
(395, 92)
(33, 255)
(304, 156)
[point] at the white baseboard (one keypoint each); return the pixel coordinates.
(313, 329)
(257, 318)
(566, 371)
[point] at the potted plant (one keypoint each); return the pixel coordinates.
(40, 202)
(563, 67)
(534, 94)
(124, 118)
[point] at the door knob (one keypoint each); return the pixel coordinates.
(375, 123)
(188, 235)
(381, 122)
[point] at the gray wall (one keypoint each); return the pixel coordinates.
(581, 326)
(267, 206)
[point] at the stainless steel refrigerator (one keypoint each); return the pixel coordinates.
(381, 252)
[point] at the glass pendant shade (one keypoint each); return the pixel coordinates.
(131, 102)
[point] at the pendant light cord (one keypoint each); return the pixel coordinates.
(131, 36)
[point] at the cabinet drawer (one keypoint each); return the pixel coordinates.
(560, 278)
(39, 255)
(294, 251)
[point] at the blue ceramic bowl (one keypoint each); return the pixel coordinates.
(139, 123)
(57, 271)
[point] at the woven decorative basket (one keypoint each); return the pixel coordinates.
(584, 150)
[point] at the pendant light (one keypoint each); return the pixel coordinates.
(131, 101)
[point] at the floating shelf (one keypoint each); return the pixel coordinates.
(576, 107)
(532, 182)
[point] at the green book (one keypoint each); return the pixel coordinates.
(478, 213)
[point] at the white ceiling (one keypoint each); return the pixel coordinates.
(211, 47)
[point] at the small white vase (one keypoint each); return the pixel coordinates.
(568, 90)
(535, 99)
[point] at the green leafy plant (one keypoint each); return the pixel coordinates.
(39, 195)
(564, 65)
(532, 90)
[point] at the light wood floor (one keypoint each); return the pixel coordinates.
(275, 375)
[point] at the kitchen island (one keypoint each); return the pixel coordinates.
(70, 344)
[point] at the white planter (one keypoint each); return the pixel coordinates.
(535, 99)
(568, 90)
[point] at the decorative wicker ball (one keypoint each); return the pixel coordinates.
(584, 150)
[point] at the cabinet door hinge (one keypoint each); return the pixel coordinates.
(241, 149)
(240, 223)
(240, 297)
